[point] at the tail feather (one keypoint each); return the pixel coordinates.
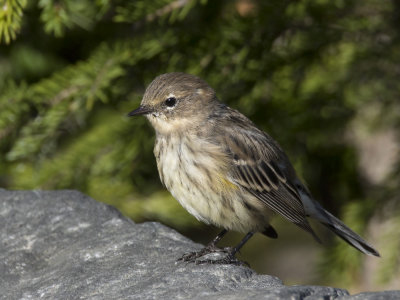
(348, 235)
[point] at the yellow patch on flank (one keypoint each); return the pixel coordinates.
(225, 184)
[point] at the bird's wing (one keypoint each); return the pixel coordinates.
(259, 166)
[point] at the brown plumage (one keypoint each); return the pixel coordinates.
(223, 169)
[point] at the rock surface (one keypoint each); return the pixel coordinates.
(65, 245)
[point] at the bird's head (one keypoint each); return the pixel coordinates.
(176, 101)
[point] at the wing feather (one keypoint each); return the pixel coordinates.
(261, 167)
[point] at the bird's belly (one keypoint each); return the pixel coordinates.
(196, 181)
(227, 211)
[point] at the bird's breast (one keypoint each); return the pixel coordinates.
(189, 168)
(195, 172)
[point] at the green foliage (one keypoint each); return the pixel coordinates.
(170, 10)
(59, 16)
(10, 19)
(306, 71)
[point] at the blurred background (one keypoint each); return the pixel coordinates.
(321, 76)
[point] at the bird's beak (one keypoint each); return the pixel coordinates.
(141, 110)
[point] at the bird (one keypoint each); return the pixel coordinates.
(224, 170)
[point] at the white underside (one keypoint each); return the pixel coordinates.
(199, 199)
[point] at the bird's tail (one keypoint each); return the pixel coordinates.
(348, 235)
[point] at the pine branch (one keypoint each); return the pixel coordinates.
(167, 9)
(140, 12)
(59, 16)
(13, 106)
(11, 13)
(76, 89)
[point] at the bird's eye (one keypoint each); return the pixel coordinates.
(170, 102)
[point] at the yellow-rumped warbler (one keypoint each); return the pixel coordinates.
(223, 169)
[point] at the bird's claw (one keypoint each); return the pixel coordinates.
(193, 256)
(227, 260)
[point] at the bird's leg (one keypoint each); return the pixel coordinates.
(210, 248)
(230, 258)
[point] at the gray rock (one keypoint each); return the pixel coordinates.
(385, 295)
(65, 245)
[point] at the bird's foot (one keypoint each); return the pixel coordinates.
(193, 256)
(230, 259)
